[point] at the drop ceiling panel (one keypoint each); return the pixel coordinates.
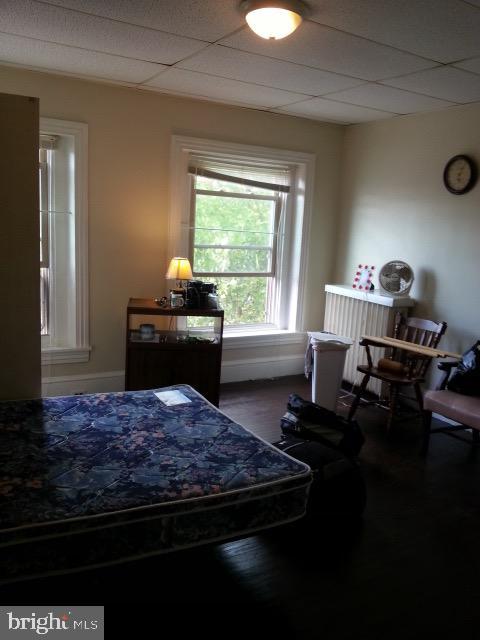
(55, 57)
(215, 88)
(472, 65)
(377, 96)
(447, 83)
(368, 59)
(248, 67)
(331, 50)
(442, 30)
(323, 109)
(45, 22)
(207, 20)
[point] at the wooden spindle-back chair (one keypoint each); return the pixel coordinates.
(406, 369)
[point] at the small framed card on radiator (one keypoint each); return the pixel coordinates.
(363, 279)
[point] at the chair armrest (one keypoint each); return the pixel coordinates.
(365, 342)
(373, 342)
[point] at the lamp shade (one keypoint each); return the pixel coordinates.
(179, 269)
(273, 19)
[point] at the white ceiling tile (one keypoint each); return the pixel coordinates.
(56, 57)
(331, 50)
(207, 20)
(181, 94)
(442, 30)
(323, 109)
(45, 22)
(215, 88)
(377, 96)
(239, 65)
(334, 54)
(447, 83)
(472, 65)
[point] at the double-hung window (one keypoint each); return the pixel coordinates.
(63, 246)
(241, 214)
(237, 233)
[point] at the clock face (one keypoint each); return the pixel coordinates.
(460, 175)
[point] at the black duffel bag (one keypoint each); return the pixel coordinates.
(466, 378)
(309, 421)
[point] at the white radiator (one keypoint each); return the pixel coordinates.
(355, 314)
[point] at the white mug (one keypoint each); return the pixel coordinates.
(176, 300)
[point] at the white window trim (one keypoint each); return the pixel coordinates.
(80, 352)
(302, 202)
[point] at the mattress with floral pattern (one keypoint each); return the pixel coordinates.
(97, 479)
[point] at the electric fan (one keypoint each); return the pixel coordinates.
(396, 278)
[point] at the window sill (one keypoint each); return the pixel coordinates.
(259, 338)
(65, 355)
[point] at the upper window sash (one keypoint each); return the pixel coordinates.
(256, 175)
(271, 248)
(224, 176)
(234, 194)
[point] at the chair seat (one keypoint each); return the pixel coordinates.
(463, 409)
(387, 376)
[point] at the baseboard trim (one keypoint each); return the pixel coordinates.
(232, 371)
(85, 383)
(262, 368)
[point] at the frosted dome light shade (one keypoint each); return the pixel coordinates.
(273, 23)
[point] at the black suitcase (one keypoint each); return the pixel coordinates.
(329, 445)
(338, 487)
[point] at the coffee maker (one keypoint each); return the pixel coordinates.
(201, 295)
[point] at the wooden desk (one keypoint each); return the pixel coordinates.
(177, 353)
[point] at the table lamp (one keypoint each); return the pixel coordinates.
(179, 269)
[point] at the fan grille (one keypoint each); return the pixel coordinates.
(396, 277)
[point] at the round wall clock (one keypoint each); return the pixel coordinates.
(460, 174)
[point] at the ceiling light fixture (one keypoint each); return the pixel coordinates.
(273, 19)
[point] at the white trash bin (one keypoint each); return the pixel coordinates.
(329, 353)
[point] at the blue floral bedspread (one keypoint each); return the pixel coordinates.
(107, 477)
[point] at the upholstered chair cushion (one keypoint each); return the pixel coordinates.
(463, 409)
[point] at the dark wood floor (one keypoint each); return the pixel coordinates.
(408, 570)
(260, 405)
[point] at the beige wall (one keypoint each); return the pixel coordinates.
(394, 205)
(129, 143)
(19, 248)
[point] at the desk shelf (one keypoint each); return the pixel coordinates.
(186, 348)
